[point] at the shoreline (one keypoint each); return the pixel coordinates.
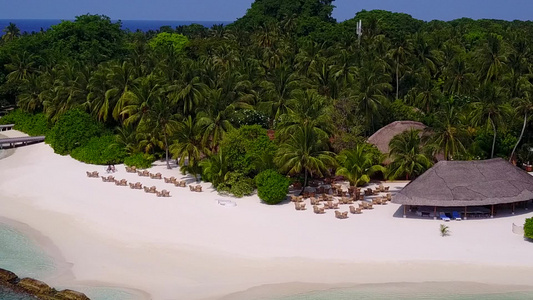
(189, 246)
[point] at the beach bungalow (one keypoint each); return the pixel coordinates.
(463, 189)
(381, 138)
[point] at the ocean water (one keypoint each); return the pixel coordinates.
(21, 255)
(35, 25)
(422, 291)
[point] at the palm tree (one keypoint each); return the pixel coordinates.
(372, 85)
(215, 169)
(447, 136)
(304, 152)
(11, 32)
(523, 105)
(306, 108)
(187, 146)
(407, 156)
(490, 109)
(159, 119)
(399, 54)
(358, 164)
(492, 58)
(215, 118)
(21, 66)
(277, 90)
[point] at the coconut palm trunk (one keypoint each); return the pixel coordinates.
(166, 151)
(494, 137)
(520, 138)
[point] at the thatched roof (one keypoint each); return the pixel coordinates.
(382, 137)
(468, 183)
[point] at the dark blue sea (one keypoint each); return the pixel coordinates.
(34, 25)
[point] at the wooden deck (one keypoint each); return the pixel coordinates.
(20, 141)
(6, 127)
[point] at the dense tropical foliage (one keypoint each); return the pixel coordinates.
(285, 87)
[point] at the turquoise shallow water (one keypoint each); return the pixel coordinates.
(418, 291)
(22, 256)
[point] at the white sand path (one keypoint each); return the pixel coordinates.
(189, 247)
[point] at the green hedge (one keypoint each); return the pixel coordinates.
(272, 187)
(73, 129)
(528, 228)
(31, 124)
(100, 151)
(237, 184)
(139, 160)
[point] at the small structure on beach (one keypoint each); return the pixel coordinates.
(468, 184)
(383, 136)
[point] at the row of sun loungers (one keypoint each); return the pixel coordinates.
(134, 186)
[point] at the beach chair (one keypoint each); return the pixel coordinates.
(165, 193)
(89, 174)
(146, 189)
(132, 186)
(444, 217)
(318, 210)
(341, 215)
(191, 188)
(456, 216)
(183, 183)
(352, 209)
(198, 188)
(167, 180)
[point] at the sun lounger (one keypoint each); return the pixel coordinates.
(183, 183)
(198, 188)
(299, 206)
(443, 217)
(138, 185)
(191, 188)
(155, 176)
(456, 215)
(167, 180)
(92, 174)
(143, 173)
(131, 170)
(146, 189)
(341, 215)
(318, 210)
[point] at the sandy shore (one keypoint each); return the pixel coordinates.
(189, 247)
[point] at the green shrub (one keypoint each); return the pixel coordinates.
(31, 124)
(100, 151)
(248, 150)
(528, 228)
(272, 187)
(73, 129)
(139, 160)
(237, 184)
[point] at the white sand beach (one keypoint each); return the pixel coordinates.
(189, 247)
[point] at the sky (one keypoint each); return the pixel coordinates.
(229, 10)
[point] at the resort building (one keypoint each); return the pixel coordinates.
(464, 189)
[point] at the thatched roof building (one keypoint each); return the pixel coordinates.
(468, 183)
(382, 137)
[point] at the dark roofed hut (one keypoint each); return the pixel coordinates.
(383, 136)
(468, 183)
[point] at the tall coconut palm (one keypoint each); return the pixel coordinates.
(187, 146)
(277, 90)
(524, 106)
(358, 164)
(161, 120)
(490, 109)
(11, 32)
(447, 137)
(492, 58)
(306, 108)
(304, 152)
(407, 156)
(372, 84)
